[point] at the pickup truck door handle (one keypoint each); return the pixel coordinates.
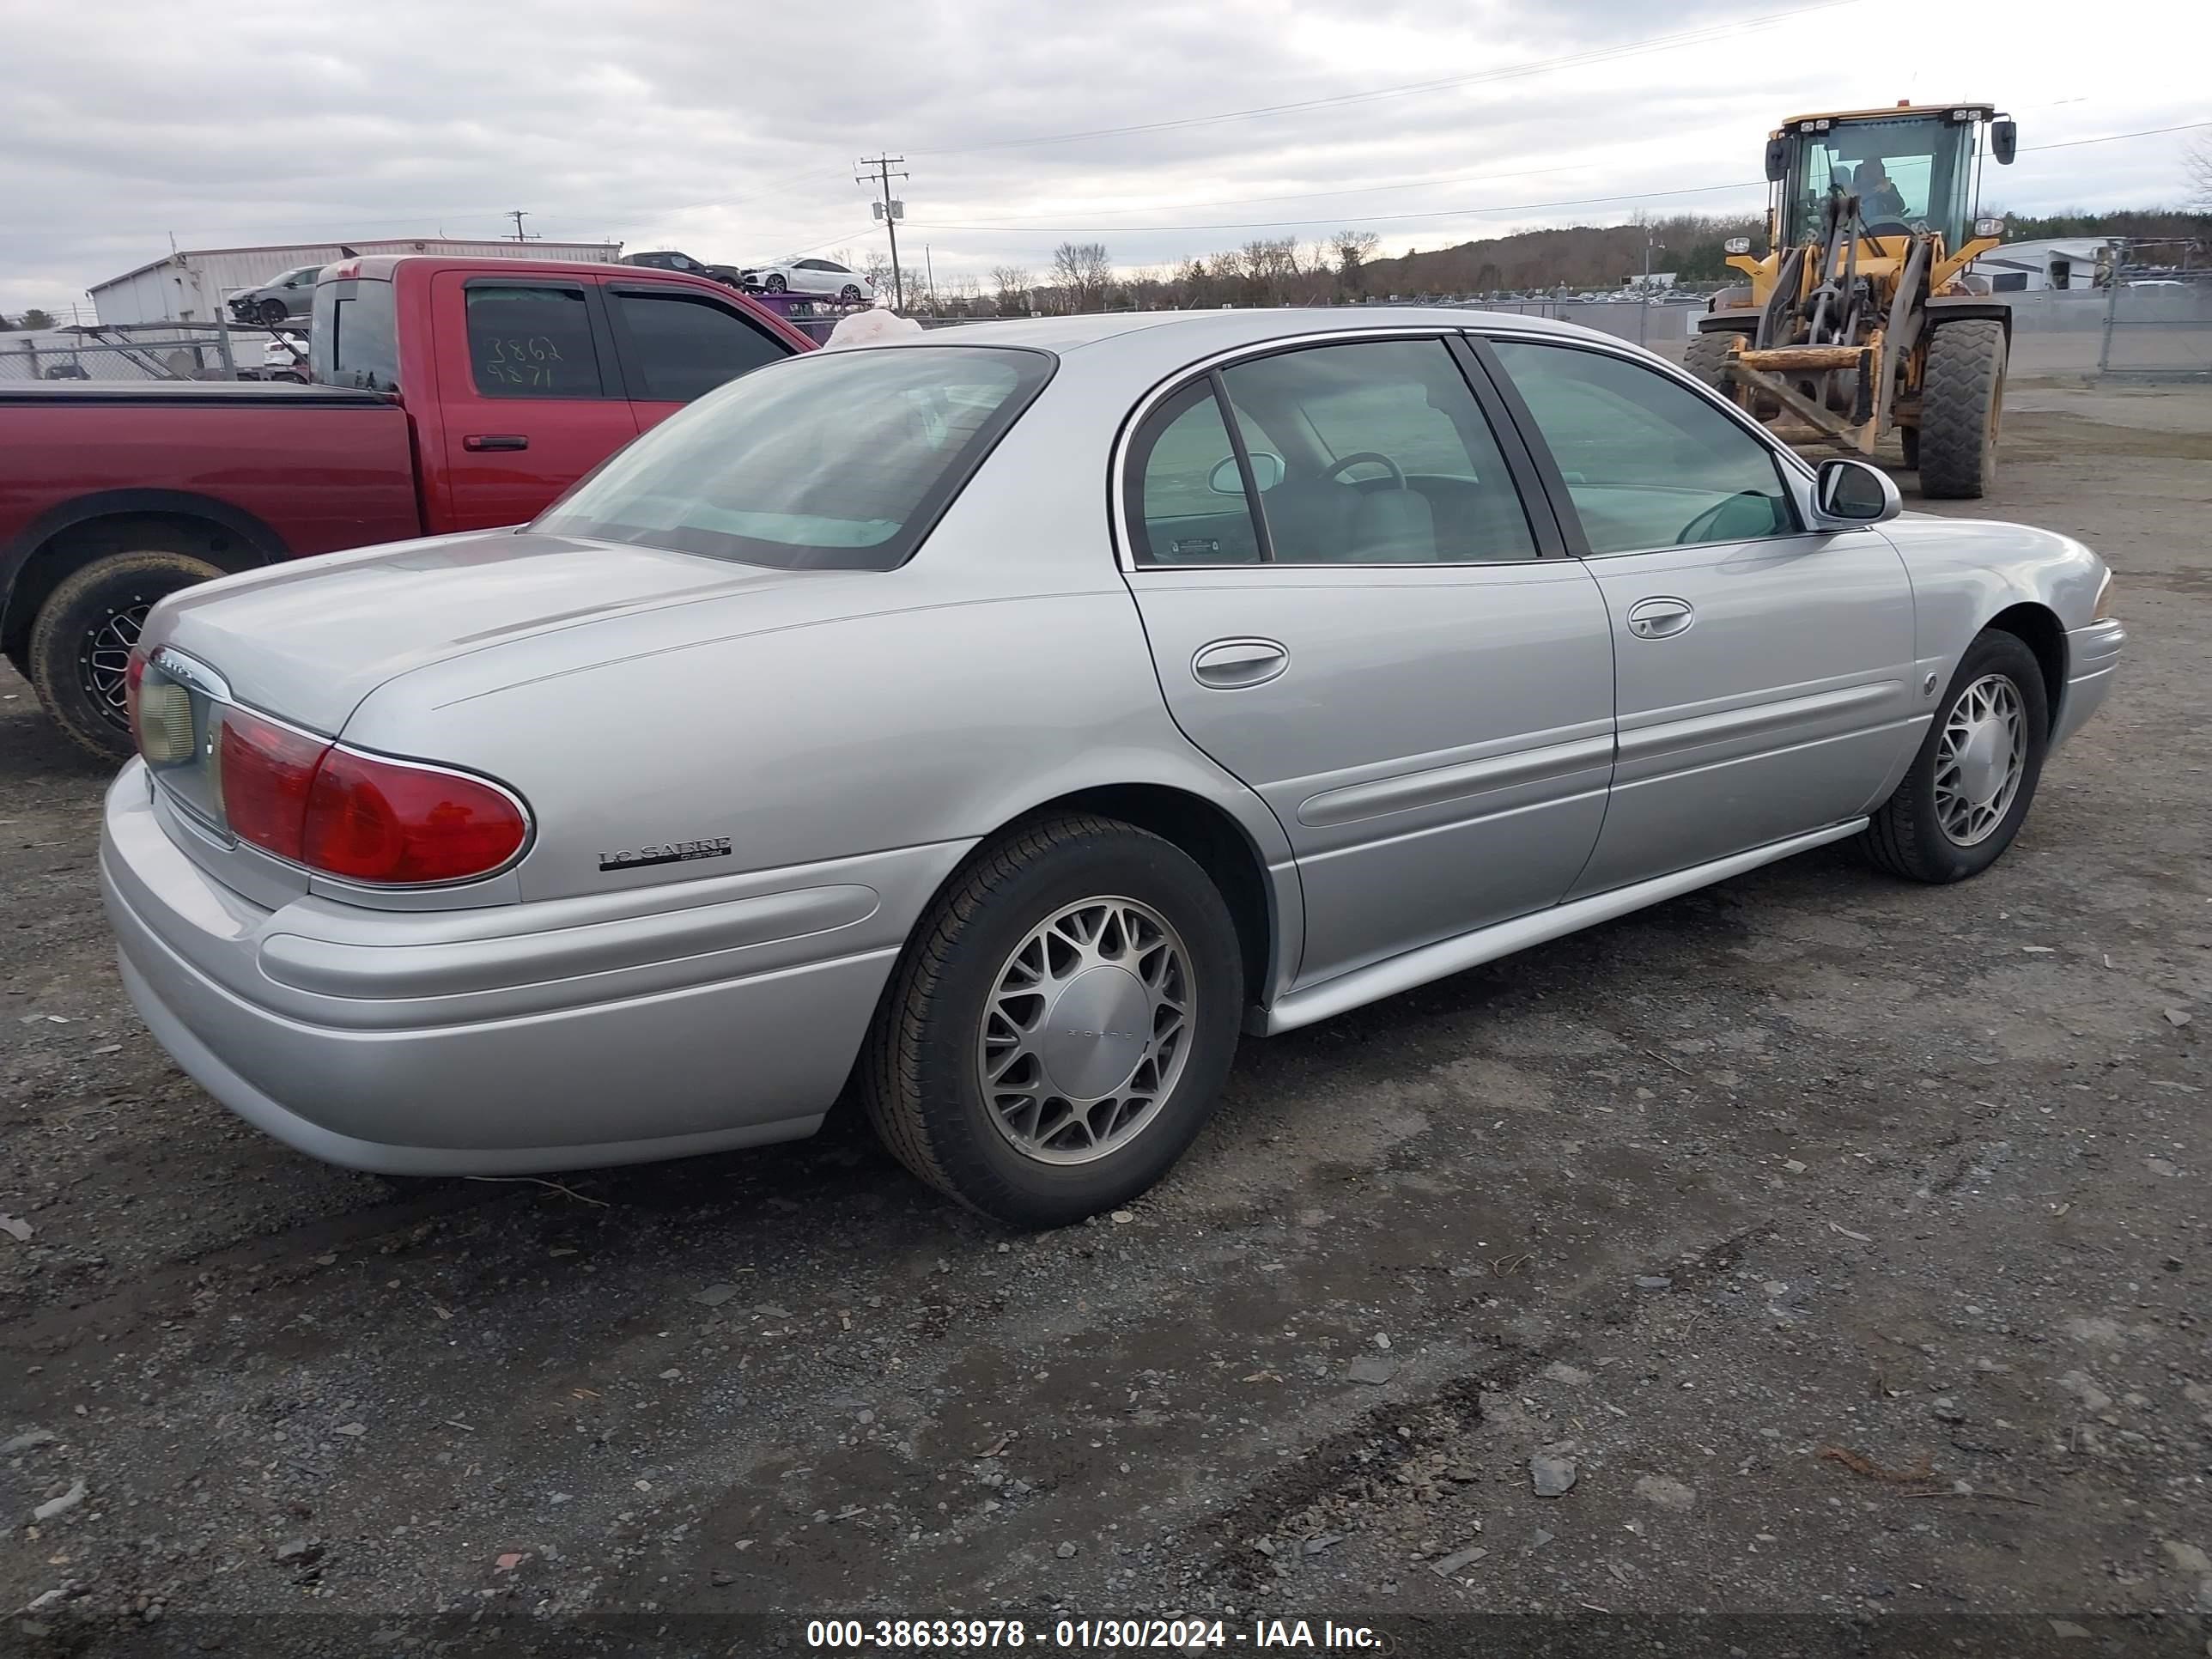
(495, 441)
(1231, 665)
(1659, 618)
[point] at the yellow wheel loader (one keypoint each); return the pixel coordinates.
(1862, 317)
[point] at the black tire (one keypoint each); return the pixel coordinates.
(1908, 438)
(1704, 357)
(850, 293)
(775, 284)
(274, 314)
(80, 627)
(920, 1073)
(1961, 409)
(1905, 837)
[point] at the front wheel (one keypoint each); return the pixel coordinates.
(274, 314)
(1060, 1024)
(775, 283)
(80, 645)
(1969, 787)
(1961, 410)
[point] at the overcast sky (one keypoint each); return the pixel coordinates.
(731, 130)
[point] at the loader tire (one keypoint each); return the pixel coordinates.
(1704, 359)
(1961, 408)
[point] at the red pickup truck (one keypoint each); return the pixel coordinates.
(449, 394)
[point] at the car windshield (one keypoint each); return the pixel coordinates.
(1905, 171)
(840, 460)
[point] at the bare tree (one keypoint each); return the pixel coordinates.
(1354, 248)
(2197, 159)
(1010, 288)
(1084, 274)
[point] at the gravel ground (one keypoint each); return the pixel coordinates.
(1841, 1248)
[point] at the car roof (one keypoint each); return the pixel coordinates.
(1203, 333)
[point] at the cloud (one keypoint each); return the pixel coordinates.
(732, 132)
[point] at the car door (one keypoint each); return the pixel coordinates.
(1764, 670)
(675, 344)
(532, 399)
(1399, 664)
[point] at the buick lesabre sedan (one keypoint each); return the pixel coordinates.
(999, 721)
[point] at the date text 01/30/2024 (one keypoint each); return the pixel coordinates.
(1172, 1635)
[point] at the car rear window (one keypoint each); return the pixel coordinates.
(834, 460)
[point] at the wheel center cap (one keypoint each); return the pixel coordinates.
(1982, 762)
(1096, 1032)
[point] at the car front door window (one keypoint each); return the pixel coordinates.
(1648, 463)
(1385, 457)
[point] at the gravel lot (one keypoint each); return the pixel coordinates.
(1848, 1245)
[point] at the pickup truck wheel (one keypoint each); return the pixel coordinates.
(81, 643)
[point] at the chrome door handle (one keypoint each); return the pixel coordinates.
(1231, 665)
(1659, 618)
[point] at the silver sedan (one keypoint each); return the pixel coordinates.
(1000, 722)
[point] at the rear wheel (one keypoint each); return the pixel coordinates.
(1909, 438)
(1706, 356)
(1058, 1028)
(850, 293)
(1971, 784)
(1961, 408)
(80, 645)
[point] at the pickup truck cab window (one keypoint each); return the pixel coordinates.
(532, 342)
(677, 347)
(363, 339)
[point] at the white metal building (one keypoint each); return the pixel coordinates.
(2025, 267)
(187, 287)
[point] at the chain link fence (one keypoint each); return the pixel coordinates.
(181, 351)
(2158, 328)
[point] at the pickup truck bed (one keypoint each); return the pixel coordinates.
(455, 394)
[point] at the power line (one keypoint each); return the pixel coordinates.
(1512, 71)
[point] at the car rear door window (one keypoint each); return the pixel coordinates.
(1189, 505)
(679, 347)
(532, 342)
(1376, 452)
(1647, 462)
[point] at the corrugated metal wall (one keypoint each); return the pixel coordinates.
(188, 288)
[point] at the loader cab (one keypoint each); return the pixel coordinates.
(1911, 167)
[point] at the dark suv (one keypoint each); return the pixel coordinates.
(670, 260)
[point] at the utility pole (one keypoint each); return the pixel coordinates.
(891, 211)
(929, 266)
(516, 214)
(1644, 308)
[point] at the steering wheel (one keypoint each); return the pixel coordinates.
(1701, 528)
(1397, 472)
(1888, 228)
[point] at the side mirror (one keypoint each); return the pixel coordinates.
(1777, 159)
(1853, 492)
(1267, 473)
(2005, 140)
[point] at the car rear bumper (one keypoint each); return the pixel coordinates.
(656, 1023)
(2092, 657)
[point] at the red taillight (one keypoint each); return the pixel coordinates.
(265, 771)
(356, 817)
(381, 821)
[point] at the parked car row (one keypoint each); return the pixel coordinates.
(1000, 721)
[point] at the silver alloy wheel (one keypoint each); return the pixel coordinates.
(105, 660)
(1087, 1030)
(1980, 759)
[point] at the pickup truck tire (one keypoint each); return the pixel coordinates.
(82, 637)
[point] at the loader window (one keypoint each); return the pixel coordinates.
(1908, 170)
